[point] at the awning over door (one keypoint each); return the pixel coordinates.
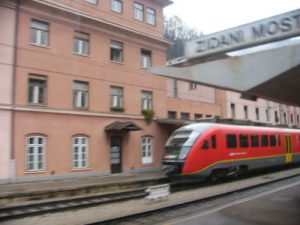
(122, 126)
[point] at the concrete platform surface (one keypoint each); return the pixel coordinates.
(75, 183)
(276, 208)
(113, 210)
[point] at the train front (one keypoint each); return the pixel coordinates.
(178, 147)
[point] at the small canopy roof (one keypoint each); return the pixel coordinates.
(122, 126)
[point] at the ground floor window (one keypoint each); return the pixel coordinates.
(80, 152)
(36, 150)
(147, 150)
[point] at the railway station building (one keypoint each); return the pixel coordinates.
(77, 99)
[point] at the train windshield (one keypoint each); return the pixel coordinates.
(180, 143)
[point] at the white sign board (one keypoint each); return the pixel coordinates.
(271, 29)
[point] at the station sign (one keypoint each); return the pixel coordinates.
(267, 30)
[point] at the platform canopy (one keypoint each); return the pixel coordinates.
(273, 74)
(122, 126)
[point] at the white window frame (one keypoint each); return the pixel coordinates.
(36, 153)
(116, 52)
(80, 95)
(82, 43)
(147, 100)
(139, 11)
(117, 97)
(232, 110)
(257, 114)
(147, 149)
(146, 58)
(81, 149)
(37, 90)
(117, 6)
(151, 16)
(192, 85)
(39, 33)
(95, 2)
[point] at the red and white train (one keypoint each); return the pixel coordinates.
(208, 149)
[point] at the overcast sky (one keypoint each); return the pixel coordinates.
(215, 15)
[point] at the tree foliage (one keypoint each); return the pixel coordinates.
(178, 32)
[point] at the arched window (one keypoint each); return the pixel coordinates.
(36, 153)
(147, 150)
(80, 152)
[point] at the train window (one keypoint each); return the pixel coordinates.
(214, 141)
(273, 140)
(254, 140)
(205, 145)
(231, 141)
(278, 140)
(264, 140)
(244, 143)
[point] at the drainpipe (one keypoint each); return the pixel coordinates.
(13, 95)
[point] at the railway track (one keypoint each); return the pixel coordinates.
(158, 215)
(31, 209)
(50, 206)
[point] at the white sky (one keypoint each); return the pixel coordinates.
(210, 16)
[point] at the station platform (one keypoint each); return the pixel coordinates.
(41, 190)
(110, 211)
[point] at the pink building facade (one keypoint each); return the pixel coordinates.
(261, 110)
(76, 98)
(74, 86)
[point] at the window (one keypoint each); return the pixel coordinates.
(147, 150)
(268, 116)
(36, 151)
(80, 94)
(138, 11)
(231, 140)
(273, 141)
(285, 118)
(117, 6)
(254, 140)
(147, 100)
(146, 58)
(37, 89)
(205, 145)
(175, 88)
(116, 95)
(80, 152)
(193, 85)
(276, 117)
(292, 118)
(214, 141)
(245, 112)
(244, 141)
(81, 43)
(95, 2)
(278, 140)
(198, 116)
(151, 16)
(232, 110)
(185, 116)
(298, 119)
(264, 141)
(172, 115)
(39, 33)
(116, 51)
(257, 113)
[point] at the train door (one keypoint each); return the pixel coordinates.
(288, 149)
